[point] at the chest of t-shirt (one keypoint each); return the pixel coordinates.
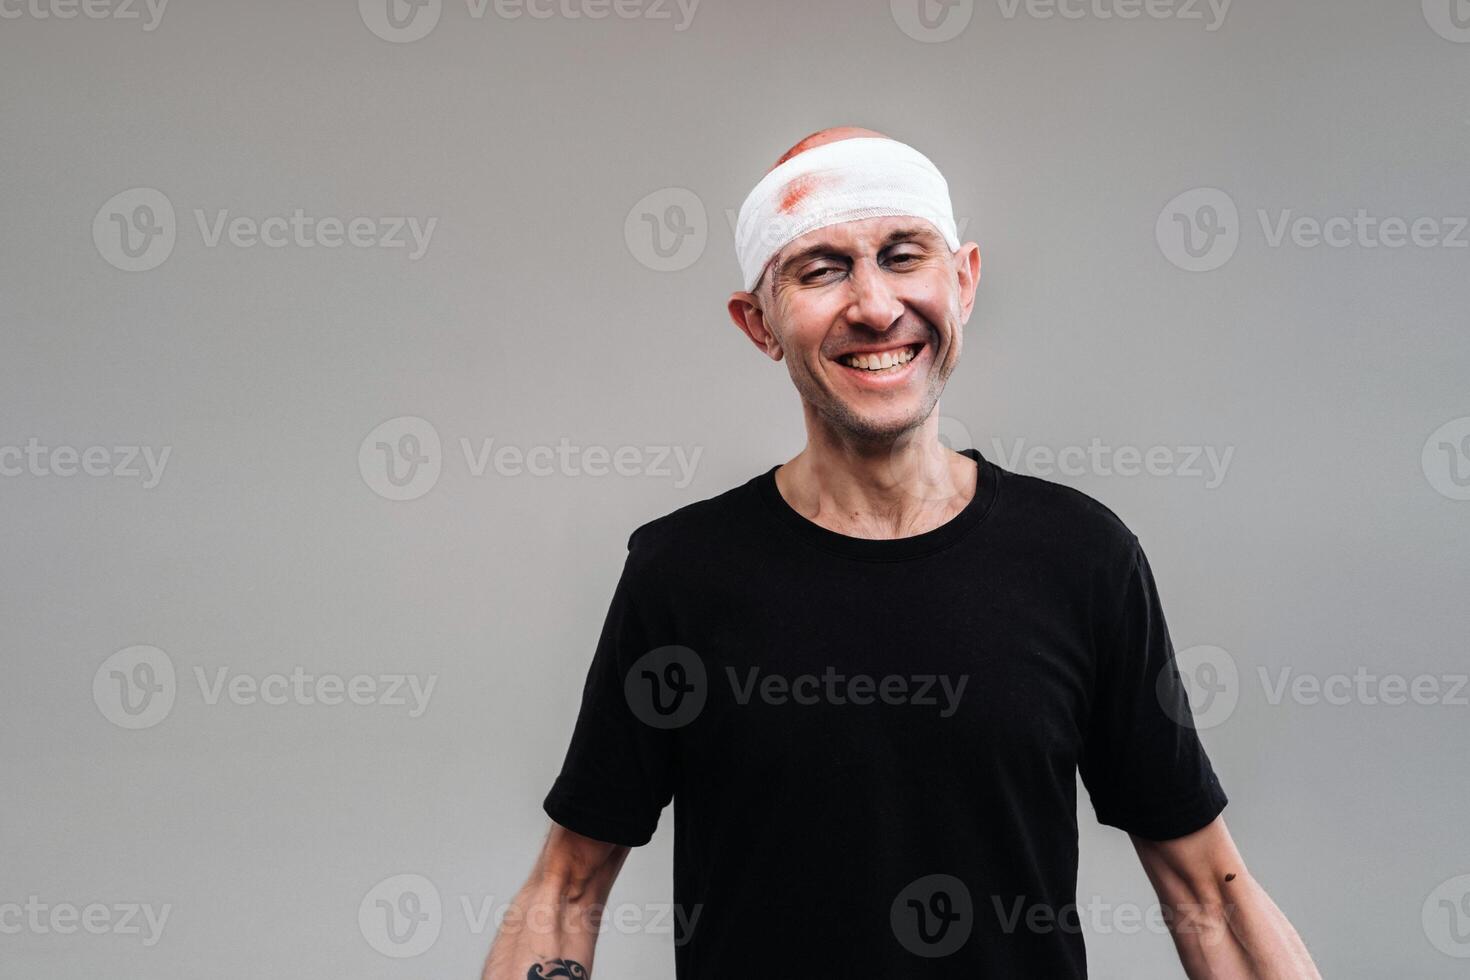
(822, 677)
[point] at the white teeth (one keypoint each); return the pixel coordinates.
(880, 362)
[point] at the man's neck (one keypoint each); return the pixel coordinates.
(911, 485)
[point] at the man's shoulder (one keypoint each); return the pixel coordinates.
(1049, 511)
(695, 524)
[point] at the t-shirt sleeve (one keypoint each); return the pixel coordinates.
(618, 773)
(1142, 763)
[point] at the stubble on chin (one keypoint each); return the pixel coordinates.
(860, 429)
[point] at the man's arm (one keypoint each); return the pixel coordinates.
(1224, 924)
(550, 929)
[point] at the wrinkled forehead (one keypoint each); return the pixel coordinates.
(864, 236)
(863, 231)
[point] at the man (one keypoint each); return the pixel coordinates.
(868, 678)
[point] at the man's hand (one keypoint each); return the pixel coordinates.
(550, 929)
(1224, 924)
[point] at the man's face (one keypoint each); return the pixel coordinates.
(869, 316)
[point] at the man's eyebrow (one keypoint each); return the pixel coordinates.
(900, 234)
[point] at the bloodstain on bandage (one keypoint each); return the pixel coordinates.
(797, 190)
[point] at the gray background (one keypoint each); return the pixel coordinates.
(534, 316)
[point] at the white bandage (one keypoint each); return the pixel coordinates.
(847, 180)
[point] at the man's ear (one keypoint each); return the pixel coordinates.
(967, 267)
(745, 310)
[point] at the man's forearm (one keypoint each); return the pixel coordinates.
(1231, 930)
(1224, 924)
(550, 929)
(543, 935)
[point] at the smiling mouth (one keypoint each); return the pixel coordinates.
(881, 362)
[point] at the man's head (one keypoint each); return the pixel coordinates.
(867, 312)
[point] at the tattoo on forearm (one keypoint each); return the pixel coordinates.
(570, 969)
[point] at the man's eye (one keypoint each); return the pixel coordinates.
(814, 274)
(901, 258)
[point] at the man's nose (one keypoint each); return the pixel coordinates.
(874, 304)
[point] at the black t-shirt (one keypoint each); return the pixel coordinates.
(872, 745)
